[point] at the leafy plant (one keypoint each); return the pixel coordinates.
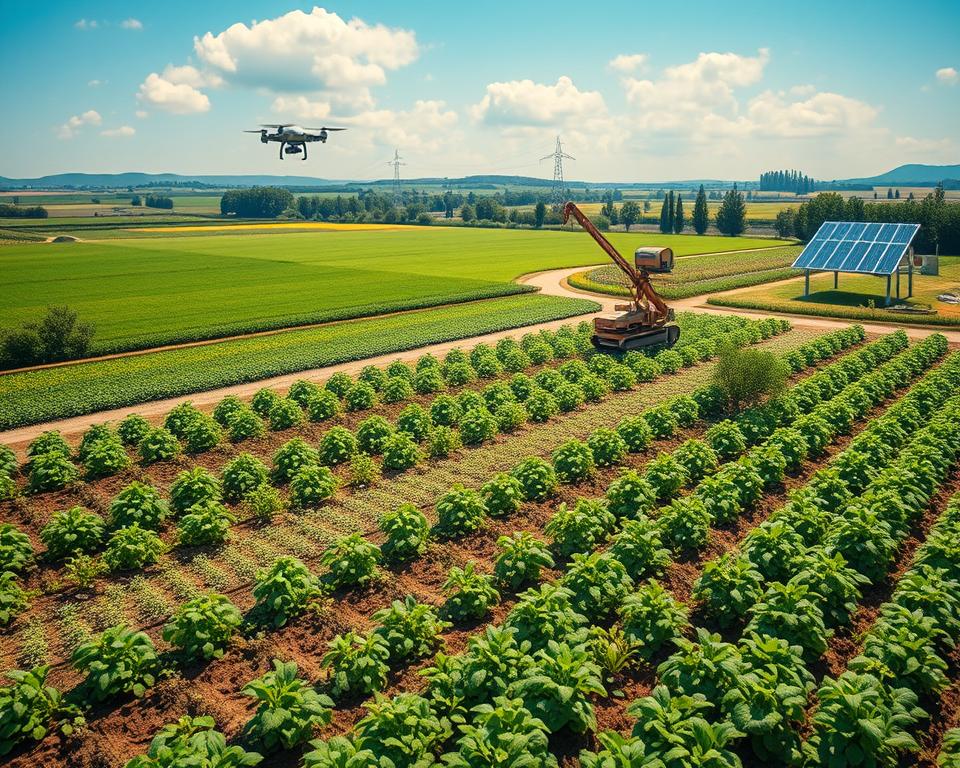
(607, 446)
(477, 425)
(132, 547)
(352, 561)
(83, 570)
(205, 524)
(284, 414)
(827, 574)
(132, 429)
(288, 708)
(48, 442)
(580, 528)
(284, 590)
(790, 612)
(573, 462)
(684, 525)
(400, 452)
(772, 547)
(404, 729)
(697, 458)
(364, 471)
(411, 629)
(338, 752)
(639, 548)
(243, 474)
(598, 582)
(245, 424)
(630, 495)
(13, 598)
(291, 457)
(337, 445)
(322, 406)
(16, 551)
(502, 495)
(521, 559)
(264, 502)
(339, 383)
(372, 432)
(358, 664)
(312, 485)
(707, 666)
(179, 419)
(502, 735)
(407, 530)
(202, 434)
(541, 406)
(537, 478)
(29, 707)
(202, 627)
(192, 487)
(636, 433)
(72, 530)
(728, 587)
(662, 421)
(138, 503)
(470, 594)
(726, 439)
(193, 741)
(460, 511)
(652, 617)
(51, 472)
(106, 457)
(120, 660)
(666, 476)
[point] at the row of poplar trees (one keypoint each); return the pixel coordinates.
(731, 217)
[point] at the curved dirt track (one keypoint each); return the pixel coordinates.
(551, 283)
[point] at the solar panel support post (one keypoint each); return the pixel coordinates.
(888, 289)
(836, 280)
(806, 282)
(898, 282)
(910, 277)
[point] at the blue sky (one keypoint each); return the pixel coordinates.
(638, 91)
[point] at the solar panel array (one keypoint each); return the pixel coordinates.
(851, 246)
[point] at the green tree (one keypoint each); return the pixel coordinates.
(539, 214)
(678, 219)
(784, 223)
(701, 216)
(746, 375)
(467, 212)
(629, 214)
(664, 215)
(732, 215)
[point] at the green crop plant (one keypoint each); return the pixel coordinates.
(118, 661)
(520, 560)
(352, 562)
(407, 530)
(652, 617)
(191, 487)
(411, 630)
(288, 708)
(358, 664)
(241, 475)
(71, 531)
(132, 547)
(202, 627)
(138, 503)
(470, 594)
(284, 590)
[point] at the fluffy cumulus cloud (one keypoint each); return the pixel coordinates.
(948, 75)
(85, 24)
(132, 23)
(123, 132)
(924, 147)
(628, 62)
(820, 114)
(426, 127)
(180, 98)
(75, 123)
(526, 103)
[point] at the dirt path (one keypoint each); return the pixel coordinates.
(551, 283)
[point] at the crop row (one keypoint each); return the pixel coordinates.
(73, 390)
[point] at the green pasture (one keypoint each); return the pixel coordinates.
(151, 291)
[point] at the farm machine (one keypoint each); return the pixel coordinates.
(646, 320)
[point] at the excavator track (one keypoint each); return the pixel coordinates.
(666, 336)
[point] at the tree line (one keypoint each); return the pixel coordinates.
(158, 201)
(8, 211)
(786, 181)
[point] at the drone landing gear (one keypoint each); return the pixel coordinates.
(282, 145)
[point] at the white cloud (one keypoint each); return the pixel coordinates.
(190, 75)
(301, 108)
(142, 114)
(923, 146)
(95, 83)
(123, 131)
(948, 75)
(821, 114)
(178, 98)
(316, 52)
(132, 24)
(86, 24)
(628, 62)
(69, 129)
(426, 127)
(526, 103)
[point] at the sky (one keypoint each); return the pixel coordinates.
(637, 91)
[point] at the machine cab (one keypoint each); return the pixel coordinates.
(654, 259)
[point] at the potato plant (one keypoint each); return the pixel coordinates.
(411, 630)
(407, 531)
(358, 664)
(120, 660)
(201, 628)
(520, 560)
(132, 547)
(288, 708)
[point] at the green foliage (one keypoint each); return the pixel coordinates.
(598, 583)
(707, 666)
(288, 708)
(132, 429)
(445, 411)
(403, 730)
(470, 594)
(520, 560)
(49, 442)
(728, 587)
(28, 708)
(502, 735)
(573, 462)
(639, 548)
(202, 627)
(290, 458)
(358, 664)
(372, 432)
(339, 383)
(337, 445)
(322, 406)
(411, 629)
(243, 474)
(772, 547)
(630, 495)
(746, 375)
(726, 439)
(666, 476)
(415, 421)
(301, 391)
(477, 425)
(120, 660)
(72, 530)
(16, 551)
(205, 524)
(538, 480)
(460, 511)
(132, 547)
(581, 528)
(226, 409)
(543, 614)
(245, 424)
(791, 612)
(338, 752)
(193, 741)
(443, 441)
(607, 446)
(13, 599)
(263, 503)
(51, 472)
(697, 458)
(138, 503)
(364, 471)
(827, 574)
(284, 590)
(396, 390)
(400, 452)
(311, 486)
(192, 487)
(105, 458)
(662, 421)
(652, 617)
(407, 530)
(285, 413)
(360, 397)
(541, 406)
(179, 419)
(502, 495)
(352, 561)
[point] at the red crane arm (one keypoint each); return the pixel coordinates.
(570, 209)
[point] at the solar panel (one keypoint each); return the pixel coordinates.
(855, 246)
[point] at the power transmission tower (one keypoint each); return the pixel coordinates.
(396, 163)
(558, 155)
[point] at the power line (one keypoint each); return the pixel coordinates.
(396, 163)
(558, 155)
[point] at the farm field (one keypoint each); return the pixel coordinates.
(697, 275)
(852, 299)
(635, 546)
(153, 291)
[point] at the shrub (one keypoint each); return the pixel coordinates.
(573, 462)
(290, 458)
(443, 441)
(668, 361)
(636, 433)
(405, 729)
(202, 627)
(538, 480)
(652, 617)
(206, 523)
(312, 486)
(415, 422)
(322, 406)
(502, 495)
(569, 397)
(746, 375)
(132, 429)
(13, 600)
(106, 457)
(549, 380)
(284, 590)
(138, 503)
(193, 486)
(643, 367)
(51, 472)
(666, 476)
(520, 560)
(301, 391)
(360, 397)
(598, 583)
(337, 445)
(339, 383)
(488, 367)
(502, 735)
(607, 446)
(406, 529)
(374, 376)
(726, 439)
(72, 530)
(158, 444)
(621, 378)
(245, 424)
(49, 442)
(241, 475)
(708, 666)
(728, 587)
(470, 594)
(179, 419)
(364, 471)
(639, 548)
(580, 528)
(372, 432)
(521, 385)
(16, 551)
(469, 399)
(29, 706)
(411, 629)
(684, 525)
(697, 458)
(445, 411)
(132, 547)
(539, 353)
(358, 664)
(460, 511)
(226, 409)
(510, 417)
(428, 381)
(400, 452)
(94, 434)
(352, 562)
(118, 661)
(399, 370)
(284, 414)
(791, 612)
(263, 503)
(458, 374)
(288, 708)
(541, 406)
(477, 425)
(662, 421)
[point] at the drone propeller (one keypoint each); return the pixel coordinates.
(278, 126)
(259, 130)
(326, 129)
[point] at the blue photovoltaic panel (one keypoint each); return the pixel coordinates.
(853, 246)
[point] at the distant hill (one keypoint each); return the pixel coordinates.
(912, 175)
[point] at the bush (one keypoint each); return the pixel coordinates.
(290, 458)
(415, 422)
(469, 399)
(180, 418)
(728, 587)
(13, 601)
(445, 411)
(226, 409)
(686, 409)
(107, 457)
(358, 665)
(639, 548)
(607, 446)
(458, 374)
(666, 476)
(340, 383)
(488, 367)
(636, 433)
(477, 426)
(594, 388)
(520, 560)
(569, 397)
(630, 495)
(288, 708)
(284, 590)
(284, 414)
(502, 735)
(202, 434)
(652, 617)
(443, 441)
(429, 381)
(71, 531)
(322, 406)
(791, 612)
(245, 424)
(598, 583)
(337, 446)
(411, 629)
(621, 378)
(311, 486)
(407, 530)
(580, 528)
(49, 442)
(573, 462)
(138, 503)
(16, 551)
(400, 452)
(460, 511)
(193, 486)
(364, 471)
(374, 376)
(201, 628)
(132, 547)
(663, 422)
(541, 406)
(684, 525)
(132, 429)
(372, 432)
(502, 495)
(263, 503)
(51, 472)
(118, 661)
(29, 706)
(469, 594)
(521, 385)
(206, 523)
(360, 397)
(697, 458)
(746, 375)
(399, 370)
(242, 474)
(510, 417)
(668, 361)
(158, 444)
(405, 730)
(537, 479)
(352, 562)
(707, 666)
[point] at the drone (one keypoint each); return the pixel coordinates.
(293, 139)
